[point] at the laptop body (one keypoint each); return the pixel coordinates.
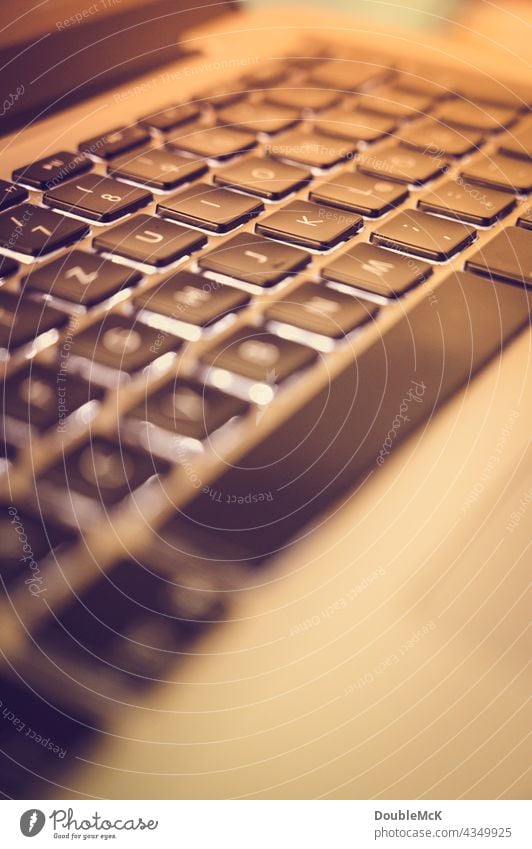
(387, 644)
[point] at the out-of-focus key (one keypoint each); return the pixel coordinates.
(206, 206)
(467, 202)
(189, 297)
(310, 225)
(401, 165)
(501, 172)
(258, 355)
(321, 310)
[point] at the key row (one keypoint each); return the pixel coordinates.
(87, 279)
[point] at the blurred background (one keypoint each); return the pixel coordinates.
(506, 23)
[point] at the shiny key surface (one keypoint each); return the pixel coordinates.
(357, 192)
(211, 208)
(52, 170)
(80, 277)
(255, 260)
(377, 271)
(310, 225)
(122, 343)
(149, 240)
(97, 198)
(35, 231)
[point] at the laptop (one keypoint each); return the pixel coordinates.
(264, 330)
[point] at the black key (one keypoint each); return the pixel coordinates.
(26, 539)
(502, 172)
(355, 126)
(21, 320)
(310, 225)
(98, 198)
(213, 142)
(303, 99)
(8, 266)
(159, 169)
(10, 195)
(394, 102)
(321, 310)
(115, 141)
(438, 140)
(466, 202)
(149, 240)
(255, 260)
(189, 297)
(377, 271)
(525, 221)
(258, 117)
(462, 113)
(122, 343)
(266, 177)
(314, 150)
(80, 277)
(52, 170)
(518, 141)
(103, 471)
(203, 205)
(401, 165)
(131, 624)
(188, 408)
(259, 355)
(172, 116)
(508, 256)
(360, 193)
(347, 75)
(424, 235)
(35, 231)
(43, 396)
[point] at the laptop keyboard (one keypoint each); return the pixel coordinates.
(174, 281)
